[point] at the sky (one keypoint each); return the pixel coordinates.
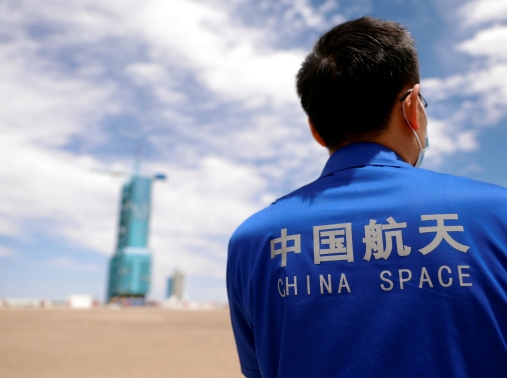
(207, 88)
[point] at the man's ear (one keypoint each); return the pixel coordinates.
(411, 104)
(315, 134)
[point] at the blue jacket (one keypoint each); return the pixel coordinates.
(376, 269)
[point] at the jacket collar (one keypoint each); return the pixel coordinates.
(361, 154)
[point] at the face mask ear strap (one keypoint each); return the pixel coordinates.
(421, 150)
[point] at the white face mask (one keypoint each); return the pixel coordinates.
(422, 151)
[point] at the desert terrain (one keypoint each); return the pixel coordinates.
(123, 343)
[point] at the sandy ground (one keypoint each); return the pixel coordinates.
(123, 343)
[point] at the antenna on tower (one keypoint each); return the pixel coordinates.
(137, 168)
(137, 164)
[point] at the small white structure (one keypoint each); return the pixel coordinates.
(81, 301)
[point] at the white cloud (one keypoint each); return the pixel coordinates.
(69, 264)
(310, 16)
(155, 77)
(229, 59)
(447, 139)
(50, 188)
(477, 97)
(483, 93)
(7, 227)
(198, 209)
(489, 42)
(478, 12)
(147, 73)
(217, 187)
(7, 252)
(43, 109)
(41, 103)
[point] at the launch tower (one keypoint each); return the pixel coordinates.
(130, 267)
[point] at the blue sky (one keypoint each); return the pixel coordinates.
(207, 88)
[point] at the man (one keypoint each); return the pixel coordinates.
(377, 268)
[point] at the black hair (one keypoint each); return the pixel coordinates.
(367, 60)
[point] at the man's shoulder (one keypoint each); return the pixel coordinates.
(438, 192)
(464, 187)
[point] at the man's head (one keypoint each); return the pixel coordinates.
(350, 82)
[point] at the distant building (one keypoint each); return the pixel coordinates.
(130, 267)
(175, 285)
